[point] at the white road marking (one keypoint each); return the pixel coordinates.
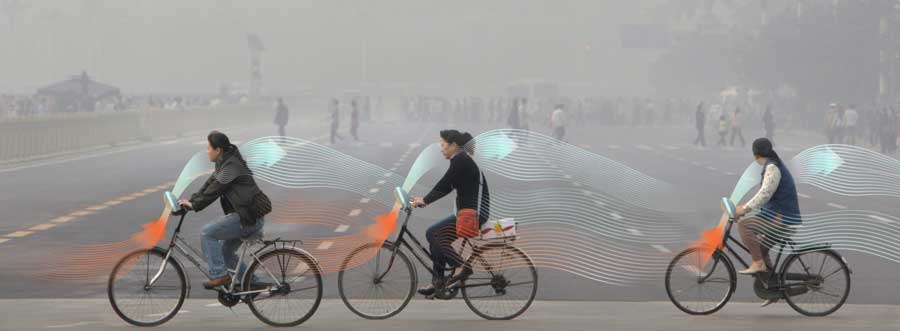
(381, 182)
(388, 174)
(41, 227)
(586, 192)
(729, 173)
(695, 163)
(81, 213)
(661, 249)
(680, 158)
(325, 245)
(600, 202)
(97, 207)
(711, 168)
(414, 145)
(72, 325)
(111, 203)
(18, 234)
(3, 240)
(670, 147)
(182, 311)
(576, 184)
(364, 200)
(170, 142)
(567, 176)
(585, 146)
(644, 147)
(882, 219)
(635, 232)
(355, 212)
(614, 146)
(832, 204)
(62, 219)
(342, 228)
(393, 169)
(615, 216)
(373, 191)
(805, 196)
(214, 304)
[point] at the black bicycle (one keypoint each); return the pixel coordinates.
(813, 279)
(377, 280)
(282, 285)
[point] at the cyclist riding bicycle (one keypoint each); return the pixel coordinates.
(778, 208)
(242, 201)
(464, 176)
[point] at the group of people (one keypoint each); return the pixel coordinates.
(862, 127)
(729, 123)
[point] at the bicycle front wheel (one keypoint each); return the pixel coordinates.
(700, 286)
(503, 283)
(816, 283)
(290, 282)
(132, 296)
(376, 281)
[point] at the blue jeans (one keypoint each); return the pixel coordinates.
(221, 239)
(440, 236)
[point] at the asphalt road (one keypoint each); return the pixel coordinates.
(57, 208)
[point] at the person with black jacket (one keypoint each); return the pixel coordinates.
(472, 204)
(242, 201)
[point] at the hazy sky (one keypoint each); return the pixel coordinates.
(195, 45)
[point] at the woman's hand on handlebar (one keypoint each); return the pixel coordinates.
(186, 204)
(417, 203)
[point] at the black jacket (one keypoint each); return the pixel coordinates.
(233, 182)
(463, 175)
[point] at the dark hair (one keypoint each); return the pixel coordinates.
(458, 138)
(762, 147)
(220, 140)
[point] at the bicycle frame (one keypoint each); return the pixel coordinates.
(772, 276)
(402, 241)
(178, 244)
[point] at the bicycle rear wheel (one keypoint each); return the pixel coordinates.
(816, 283)
(699, 289)
(298, 296)
(369, 296)
(134, 300)
(503, 283)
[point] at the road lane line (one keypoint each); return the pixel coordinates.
(81, 213)
(615, 216)
(882, 219)
(644, 147)
(635, 232)
(18, 234)
(373, 191)
(364, 200)
(388, 174)
(325, 245)
(832, 204)
(805, 196)
(342, 228)
(97, 207)
(381, 182)
(62, 219)
(355, 212)
(661, 248)
(41, 227)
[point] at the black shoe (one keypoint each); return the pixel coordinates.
(463, 275)
(429, 289)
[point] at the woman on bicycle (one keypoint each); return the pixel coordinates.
(777, 205)
(242, 201)
(464, 176)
